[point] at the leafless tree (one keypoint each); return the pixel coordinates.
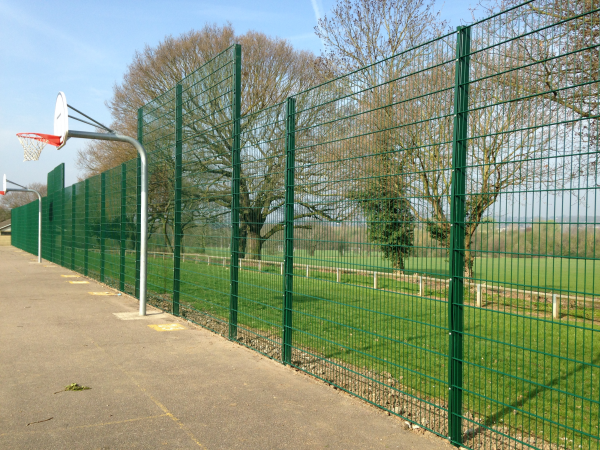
(272, 70)
(16, 199)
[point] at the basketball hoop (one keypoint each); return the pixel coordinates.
(34, 143)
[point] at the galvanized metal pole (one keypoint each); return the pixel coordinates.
(144, 200)
(457, 235)
(288, 279)
(138, 193)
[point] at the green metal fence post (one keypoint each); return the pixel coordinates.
(102, 224)
(73, 216)
(177, 219)
(62, 226)
(86, 227)
(138, 236)
(123, 230)
(235, 195)
(288, 279)
(457, 235)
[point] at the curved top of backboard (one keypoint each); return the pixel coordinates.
(61, 117)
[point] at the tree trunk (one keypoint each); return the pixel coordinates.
(254, 243)
(242, 240)
(166, 237)
(469, 259)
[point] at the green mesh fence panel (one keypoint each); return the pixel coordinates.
(25, 219)
(531, 363)
(262, 221)
(370, 311)
(207, 103)
(422, 233)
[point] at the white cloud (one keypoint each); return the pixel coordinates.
(316, 5)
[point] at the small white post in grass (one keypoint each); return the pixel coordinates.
(223, 261)
(555, 306)
(281, 268)
(420, 286)
(307, 272)
(338, 275)
(374, 280)
(479, 295)
(240, 264)
(209, 260)
(260, 266)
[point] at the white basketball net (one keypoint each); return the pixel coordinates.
(32, 146)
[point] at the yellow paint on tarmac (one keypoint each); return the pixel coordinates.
(79, 282)
(102, 293)
(164, 409)
(71, 276)
(168, 327)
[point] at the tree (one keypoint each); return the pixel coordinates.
(360, 33)
(404, 115)
(4, 213)
(390, 222)
(272, 71)
(562, 60)
(377, 42)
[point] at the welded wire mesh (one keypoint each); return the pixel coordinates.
(531, 223)
(369, 308)
(204, 195)
(422, 233)
(262, 224)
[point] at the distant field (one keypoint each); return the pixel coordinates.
(562, 275)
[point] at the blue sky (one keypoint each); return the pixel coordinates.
(84, 47)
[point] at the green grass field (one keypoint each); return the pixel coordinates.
(521, 368)
(566, 275)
